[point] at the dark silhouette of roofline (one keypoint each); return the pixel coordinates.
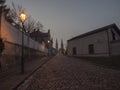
(39, 34)
(97, 30)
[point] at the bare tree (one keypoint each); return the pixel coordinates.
(30, 23)
(15, 11)
(39, 26)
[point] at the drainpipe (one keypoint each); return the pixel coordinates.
(108, 39)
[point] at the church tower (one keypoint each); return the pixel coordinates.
(56, 45)
(62, 47)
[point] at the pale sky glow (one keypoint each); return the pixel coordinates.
(68, 18)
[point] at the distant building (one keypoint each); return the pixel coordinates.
(104, 41)
(41, 37)
(45, 40)
(56, 45)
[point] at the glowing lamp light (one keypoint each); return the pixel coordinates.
(22, 16)
(48, 41)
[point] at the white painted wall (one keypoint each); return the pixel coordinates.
(11, 34)
(100, 42)
(98, 39)
(115, 48)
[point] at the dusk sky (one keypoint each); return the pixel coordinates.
(69, 18)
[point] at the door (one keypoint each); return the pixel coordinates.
(74, 51)
(91, 49)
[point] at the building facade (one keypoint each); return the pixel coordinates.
(40, 36)
(104, 41)
(45, 39)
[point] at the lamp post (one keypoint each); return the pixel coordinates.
(48, 47)
(22, 19)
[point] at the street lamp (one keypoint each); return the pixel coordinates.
(49, 47)
(48, 41)
(22, 19)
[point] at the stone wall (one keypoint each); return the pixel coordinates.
(11, 55)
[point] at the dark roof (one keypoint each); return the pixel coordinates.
(39, 34)
(98, 30)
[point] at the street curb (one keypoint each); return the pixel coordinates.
(18, 85)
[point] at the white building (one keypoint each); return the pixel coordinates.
(104, 41)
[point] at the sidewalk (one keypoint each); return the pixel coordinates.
(11, 79)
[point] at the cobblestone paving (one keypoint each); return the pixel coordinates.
(65, 73)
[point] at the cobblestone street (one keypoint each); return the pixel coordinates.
(66, 73)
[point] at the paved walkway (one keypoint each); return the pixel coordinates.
(65, 73)
(8, 80)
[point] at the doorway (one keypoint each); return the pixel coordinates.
(74, 51)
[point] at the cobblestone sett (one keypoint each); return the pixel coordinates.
(64, 73)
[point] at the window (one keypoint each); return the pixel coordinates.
(91, 49)
(74, 51)
(113, 35)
